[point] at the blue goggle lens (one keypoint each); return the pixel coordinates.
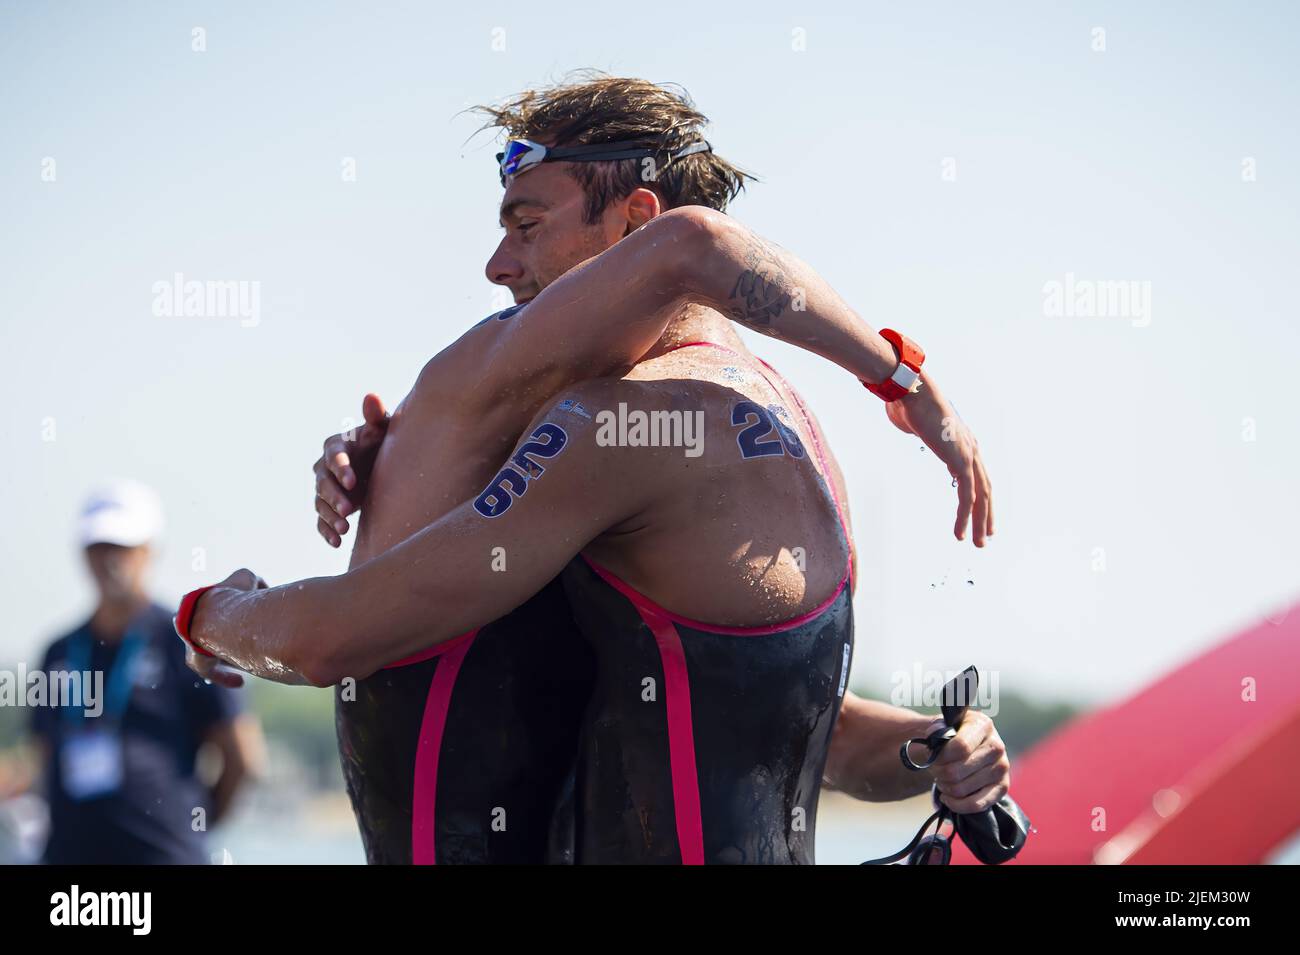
(520, 153)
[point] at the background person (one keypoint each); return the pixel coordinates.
(119, 773)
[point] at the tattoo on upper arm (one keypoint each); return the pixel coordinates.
(763, 291)
(512, 481)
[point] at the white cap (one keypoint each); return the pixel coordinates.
(126, 513)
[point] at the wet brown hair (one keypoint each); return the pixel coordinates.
(592, 107)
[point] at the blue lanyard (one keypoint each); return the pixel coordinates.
(117, 689)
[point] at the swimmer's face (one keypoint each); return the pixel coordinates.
(546, 233)
(119, 572)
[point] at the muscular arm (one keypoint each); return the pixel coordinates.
(471, 566)
(600, 317)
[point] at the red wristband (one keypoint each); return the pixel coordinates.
(905, 378)
(185, 616)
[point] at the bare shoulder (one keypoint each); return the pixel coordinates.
(455, 371)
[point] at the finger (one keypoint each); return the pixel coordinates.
(965, 493)
(894, 412)
(980, 524)
(327, 532)
(372, 410)
(375, 429)
(337, 461)
(369, 438)
(988, 497)
(227, 678)
(975, 733)
(978, 792)
(340, 466)
(200, 663)
(331, 517)
(976, 729)
(954, 773)
(193, 661)
(957, 750)
(242, 579)
(965, 755)
(332, 493)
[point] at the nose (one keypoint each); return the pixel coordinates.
(503, 268)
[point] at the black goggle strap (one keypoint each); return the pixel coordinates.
(599, 152)
(703, 146)
(941, 815)
(605, 152)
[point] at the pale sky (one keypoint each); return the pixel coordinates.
(939, 164)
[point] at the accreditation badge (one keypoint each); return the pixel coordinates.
(91, 763)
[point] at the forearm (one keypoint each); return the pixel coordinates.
(769, 290)
(266, 632)
(863, 760)
(436, 585)
(321, 630)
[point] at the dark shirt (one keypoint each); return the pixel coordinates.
(149, 818)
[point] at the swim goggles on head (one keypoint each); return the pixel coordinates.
(521, 155)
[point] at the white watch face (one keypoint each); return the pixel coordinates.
(906, 378)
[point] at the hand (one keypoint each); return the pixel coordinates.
(927, 414)
(344, 468)
(972, 771)
(209, 667)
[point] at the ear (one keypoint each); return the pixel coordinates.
(640, 207)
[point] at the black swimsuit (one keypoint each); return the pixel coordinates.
(460, 754)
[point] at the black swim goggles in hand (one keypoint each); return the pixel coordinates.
(994, 835)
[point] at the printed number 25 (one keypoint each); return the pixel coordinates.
(764, 421)
(514, 477)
